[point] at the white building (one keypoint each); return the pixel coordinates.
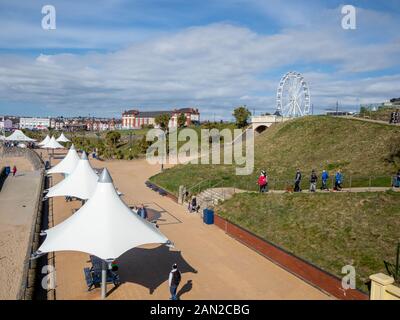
(5, 124)
(135, 119)
(34, 123)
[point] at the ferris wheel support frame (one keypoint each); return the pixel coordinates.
(294, 88)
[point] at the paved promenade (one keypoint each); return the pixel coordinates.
(17, 205)
(213, 265)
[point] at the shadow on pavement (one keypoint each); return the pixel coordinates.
(150, 267)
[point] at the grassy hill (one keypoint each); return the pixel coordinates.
(363, 150)
(329, 230)
(382, 113)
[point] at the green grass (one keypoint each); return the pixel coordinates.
(359, 148)
(382, 114)
(329, 230)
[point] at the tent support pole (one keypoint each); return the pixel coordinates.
(104, 280)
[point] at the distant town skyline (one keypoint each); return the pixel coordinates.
(105, 57)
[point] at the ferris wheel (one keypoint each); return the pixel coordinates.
(293, 96)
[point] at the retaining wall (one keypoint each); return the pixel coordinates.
(30, 155)
(303, 269)
(3, 176)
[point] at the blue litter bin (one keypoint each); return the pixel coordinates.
(8, 170)
(208, 216)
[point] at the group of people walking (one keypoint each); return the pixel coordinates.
(314, 180)
(263, 181)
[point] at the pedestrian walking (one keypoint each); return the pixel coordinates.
(338, 180)
(313, 181)
(14, 170)
(173, 280)
(324, 179)
(263, 181)
(392, 117)
(297, 181)
(396, 179)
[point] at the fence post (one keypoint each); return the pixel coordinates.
(379, 282)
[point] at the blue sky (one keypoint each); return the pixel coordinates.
(108, 56)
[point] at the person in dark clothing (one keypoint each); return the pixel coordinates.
(297, 181)
(173, 280)
(313, 181)
(392, 117)
(193, 207)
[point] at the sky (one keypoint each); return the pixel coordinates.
(105, 57)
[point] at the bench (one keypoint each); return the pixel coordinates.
(93, 277)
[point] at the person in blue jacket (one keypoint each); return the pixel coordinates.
(338, 180)
(324, 179)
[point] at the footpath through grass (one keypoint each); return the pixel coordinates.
(364, 151)
(329, 230)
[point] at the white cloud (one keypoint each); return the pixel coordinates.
(214, 67)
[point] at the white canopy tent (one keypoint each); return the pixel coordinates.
(18, 135)
(105, 227)
(62, 138)
(44, 141)
(80, 183)
(68, 164)
(52, 144)
(2, 137)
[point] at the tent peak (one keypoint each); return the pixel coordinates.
(105, 177)
(84, 156)
(72, 147)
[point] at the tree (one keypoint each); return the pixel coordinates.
(162, 120)
(241, 115)
(181, 120)
(112, 138)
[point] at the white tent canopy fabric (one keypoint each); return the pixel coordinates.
(18, 135)
(68, 164)
(80, 183)
(2, 137)
(62, 138)
(44, 141)
(105, 226)
(52, 144)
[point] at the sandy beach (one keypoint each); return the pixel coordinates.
(213, 265)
